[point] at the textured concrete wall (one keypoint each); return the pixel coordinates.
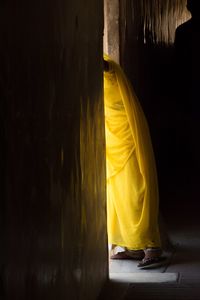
(53, 209)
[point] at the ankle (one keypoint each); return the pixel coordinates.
(152, 252)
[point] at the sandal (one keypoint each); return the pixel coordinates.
(129, 254)
(151, 262)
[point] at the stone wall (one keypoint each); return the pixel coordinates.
(52, 158)
(147, 30)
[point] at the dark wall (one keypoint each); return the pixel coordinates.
(147, 55)
(53, 215)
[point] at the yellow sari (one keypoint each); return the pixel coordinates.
(132, 188)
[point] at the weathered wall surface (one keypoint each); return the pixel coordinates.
(53, 225)
(147, 29)
(111, 29)
(146, 41)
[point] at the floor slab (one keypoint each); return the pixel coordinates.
(147, 277)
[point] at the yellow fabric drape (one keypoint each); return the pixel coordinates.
(132, 188)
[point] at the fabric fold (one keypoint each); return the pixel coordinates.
(132, 187)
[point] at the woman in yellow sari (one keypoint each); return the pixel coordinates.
(132, 188)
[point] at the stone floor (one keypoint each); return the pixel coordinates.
(177, 280)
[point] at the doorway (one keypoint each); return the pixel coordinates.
(124, 268)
